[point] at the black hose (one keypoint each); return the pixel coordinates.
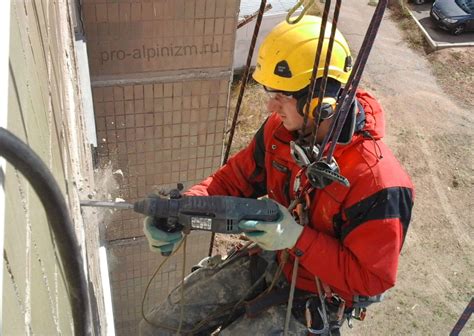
(22, 157)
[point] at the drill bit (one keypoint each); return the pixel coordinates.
(107, 204)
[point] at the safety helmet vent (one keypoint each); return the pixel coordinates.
(282, 69)
(348, 64)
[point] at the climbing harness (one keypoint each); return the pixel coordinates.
(317, 163)
(322, 169)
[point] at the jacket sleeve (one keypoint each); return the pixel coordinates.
(363, 260)
(243, 175)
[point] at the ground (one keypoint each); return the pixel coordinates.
(428, 99)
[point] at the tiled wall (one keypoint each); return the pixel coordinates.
(160, 73)
(159, 35)
(131, 267)
(158, 134)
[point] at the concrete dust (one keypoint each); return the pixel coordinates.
(106, 189)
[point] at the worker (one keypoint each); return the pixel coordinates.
(349, 247)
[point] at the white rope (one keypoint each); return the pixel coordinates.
(292, 294)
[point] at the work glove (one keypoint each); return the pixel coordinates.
(278, 235)
(159, 240)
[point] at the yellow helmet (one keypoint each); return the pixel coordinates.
(286, 56)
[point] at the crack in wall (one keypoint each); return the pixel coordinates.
(16, 290)
(29, 242)
(50, 97)
(24, 201)
(54, 312)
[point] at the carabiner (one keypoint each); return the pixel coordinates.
(309, 320)
(295, 8)
(298, 154)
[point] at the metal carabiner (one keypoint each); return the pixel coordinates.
(295, 8)
(299, 155)
(309, 320)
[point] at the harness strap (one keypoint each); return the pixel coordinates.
(275, 297)
(257, 267)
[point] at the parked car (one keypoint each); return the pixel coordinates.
(455, 16)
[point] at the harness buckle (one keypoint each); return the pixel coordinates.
(359, 313)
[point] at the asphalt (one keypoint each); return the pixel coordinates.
(435, 36)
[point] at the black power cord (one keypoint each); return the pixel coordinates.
(23, 158)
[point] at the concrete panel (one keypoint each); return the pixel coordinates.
(41, 105)
(42, 301)
(15, 313)
(43, 262)
(16, 235)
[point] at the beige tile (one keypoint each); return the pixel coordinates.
(101, 12)
(125, 11)
(200, 9)
(112, 12)
(136, 12)
(119, 108)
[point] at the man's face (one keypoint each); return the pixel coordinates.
(285, 107)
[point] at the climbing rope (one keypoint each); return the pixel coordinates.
(241, 94)
(322, 87)
(179, 330)
(221, 311)
(312, 82)
(349, 91)
(342, 109)
(343, 105)
(291, 295)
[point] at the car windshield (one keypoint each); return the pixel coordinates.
(466, 5)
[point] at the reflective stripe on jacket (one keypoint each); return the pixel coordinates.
(355, 234)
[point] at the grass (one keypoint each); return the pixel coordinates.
(453, 68)
(252, 113)
(411, 32)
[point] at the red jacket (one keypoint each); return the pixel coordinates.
(355, 234)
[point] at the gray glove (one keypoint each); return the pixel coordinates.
(159, 240)
(272, 236)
